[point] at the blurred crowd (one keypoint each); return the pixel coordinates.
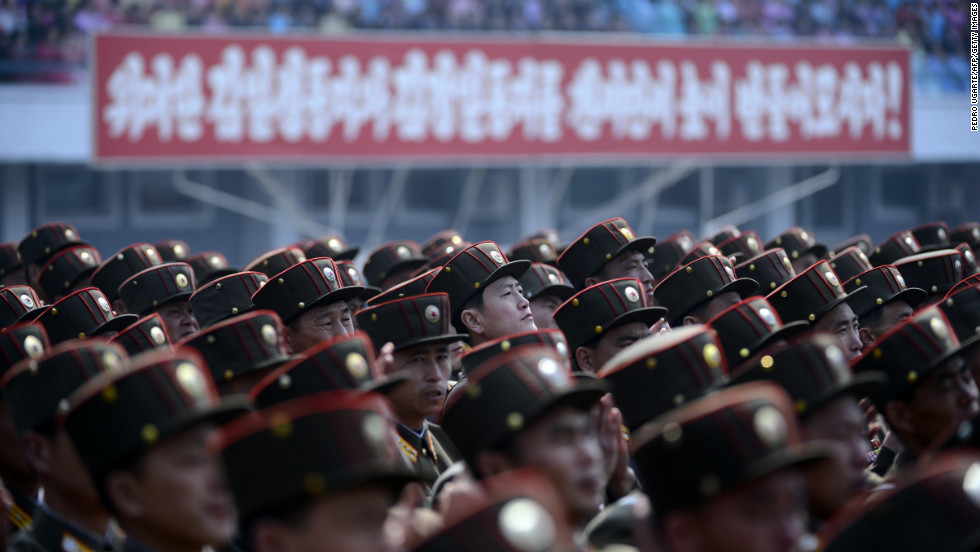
(57, 30)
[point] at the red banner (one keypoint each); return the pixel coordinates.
(388, 97)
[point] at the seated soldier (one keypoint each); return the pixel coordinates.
(484, 294)
(929, 388)
(311, 300)
(163, 289)
(608, 251)
(38, 247)
(141, 434)
(803, 249)
(546, 288)
(887, 303)
(701, 289)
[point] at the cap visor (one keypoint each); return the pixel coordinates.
(388, 384)
(347, 254)
(744, 287)
(116, 324)
(345, 293)
(641, 244)
(513, 268)
(913, 296)
(647, 315)
(433, 340)
(788, 330)
(562, 292)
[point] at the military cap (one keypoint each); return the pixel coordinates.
(597, 246)
(548, 337)
(550, 234)
(968, 232)
(728, 232)
(622, 526)
(122, 266)
(345, 362)
(701, 249)
(797, 242)
(602, 307)
(440, 260)
(46, 240)
(35, 388)
(849, 263)
(273, 262)
(172, 251)
(9, 259)
(471, 270)
(861, 241)
(935, 271)
(536, 250)
(936, 509)
(771, 269)
(390, 258)
(885, 284)
(408, 288)
(67, 268)
(225, 297)
(897, 246)
(303, 286)
(965, 282)
(116, 416)
(507, 393)
(745, 245)
(157, 285)
(909, 352)
(962, 309)
(705, 447)
(932, 235)
(698, 282)
(85, 313)
(408, 322)
(349, 274)
(278, 457)
(815, 292)
(750, 325)
(209, 266)
(21, 341)
(329, 245)
(240, 345)
(442, 242)
(668, 254)
(812, 369)
(969, 258)
(543, 280)
(18, 303)
(518, 511)
(146, 334)
(657, 374)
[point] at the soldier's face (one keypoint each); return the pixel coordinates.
(505, 310)
(543, 309)
(843, 324)
(891, 314)
(840, 425)
(178, 494)
(320, 323)
(944, 397)
(179, 319)
(428, 368)
(11, 454)
(628, 264)
(564, 445)
(346, 521)
(765, 515)
(611, 342)
(65, 474)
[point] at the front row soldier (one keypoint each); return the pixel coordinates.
(163, 289)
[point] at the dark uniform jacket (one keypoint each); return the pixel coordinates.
(429, 455)
(53, 533)
(20, 512)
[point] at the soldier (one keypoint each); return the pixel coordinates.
(273, 262)
(699, 290)
(81, 315)
(801, 246)
(11, 269)
(722, 472)
(41, 244)
(163, 289)
(393, 263)
(929, 389)
(311, 300)
(897, 246)
(299, 492)
(484, 293)
(141, 434)
(546, 288)
(122, 266)
(747, 327)
(962, 308)
(328, 245)
(173, 251)
(604, 319)
(209, 266)
(771, 269)
(419, 330)
(226, 297)
(817, 296)
(825, 396)
(888, 301)
(18, 304)
(936, 272)
(68, 271)
(349, 274)
(849, 263)
(145, 334)
(71, 516)
(668, 254)
(607, 251)
(522, 409)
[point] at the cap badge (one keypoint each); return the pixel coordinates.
(527, 526)
(402, 252)
(551, 372)
(941, 234)
(562, 348)
(969, 257)
(752, 243)
(770, 426)
(157, 335)
(837, 362)
(103, 304)
(685, 242)
(215, 261)
(354, 277)
(86, 257)
(181, 280)
(111, 362)
(329, 275)
(730, 272)
(831, 278)
(804, 236)
(712, 250)
(357, 365)
(627, 233)
(938, 328)
(151, 254)
(545, 250)
(269, 335)
(190, 379)
(33, 346)
(768, 317)
(900, 280)
(958, 267)
(334, 244)
(179, 251)
(712, 356)
(432, 314)
(27, 301)
(631, 294)
(496, 256)
(553, 279)
(908, 241)
(69, 234)
(786, 263)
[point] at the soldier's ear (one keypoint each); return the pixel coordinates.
(681, 531)
(119, 307)
(899, 417)
(867, 338)
(489, 463)
(269, 535)
(472, 321)
(125, 494)
(690, 321)
(583, 357)
(591, 281)
(37, 451)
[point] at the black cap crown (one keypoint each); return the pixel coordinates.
(273, 262)
(240, 345)
(812, 294)
(67, 268)
(597, 246)
(82, 314)
(885, 284)
(697, 282)
(122, 266)
(148, 289)
(46, 240)
(408, 322)
(226, 297)
(303, 286)
(605, 306)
